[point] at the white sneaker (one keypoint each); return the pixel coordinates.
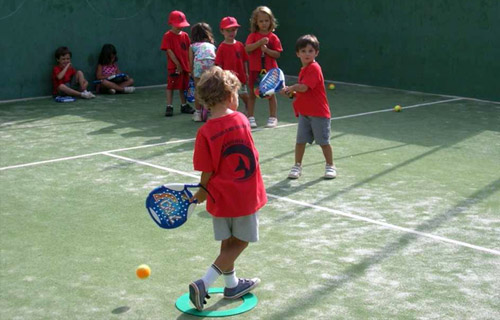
(253, 124)
(112, 91)
(129, 89)
(330, 172)
(272, 122)
(87, 95)
(295, 172)
(197, 116)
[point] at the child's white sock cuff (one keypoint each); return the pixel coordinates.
(211, 276)
(230, 279)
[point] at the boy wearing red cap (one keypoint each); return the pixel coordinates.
(231, 54)
(176, 43)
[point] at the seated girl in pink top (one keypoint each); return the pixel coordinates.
(107, 67)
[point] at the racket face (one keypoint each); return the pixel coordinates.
(272, 82)
(169, 205)
(189, 93)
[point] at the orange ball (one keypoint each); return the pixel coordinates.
(143, 271)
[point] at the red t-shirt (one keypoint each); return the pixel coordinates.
(67, 77)
(179, 44)
(225, 147)
(313, 102)
(233, 57)
(255, 56)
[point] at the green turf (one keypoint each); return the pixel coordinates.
(73, 231)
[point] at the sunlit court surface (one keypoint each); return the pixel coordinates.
(408, 230)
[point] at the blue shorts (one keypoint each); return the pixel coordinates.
(313, 129)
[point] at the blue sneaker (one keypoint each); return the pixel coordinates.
(244, 286)
(197, 294)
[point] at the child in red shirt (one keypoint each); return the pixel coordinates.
(225, 153)
(311, 106)
(263, 47)
(66, 81)
(176, 43)
(231, 55)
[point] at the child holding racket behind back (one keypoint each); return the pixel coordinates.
(106, 68)
(263, 47)
(311, 107)
(225, 154)
(176, 43)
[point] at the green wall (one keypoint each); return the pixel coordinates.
(440, 46)
(32, 30)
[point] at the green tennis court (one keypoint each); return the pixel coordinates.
(408, 230)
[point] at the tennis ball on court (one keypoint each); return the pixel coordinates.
(331, 86)
(143, 271)
(397, 108)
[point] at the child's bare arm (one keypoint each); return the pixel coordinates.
(63, 71)
(172, 56)
(272, 53)
(201, 194)
(98, 72)
(298, 87)
(191, 59)
(252, 46)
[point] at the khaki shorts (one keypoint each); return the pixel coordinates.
(245, 228)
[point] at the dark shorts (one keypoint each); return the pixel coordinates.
(73, 84)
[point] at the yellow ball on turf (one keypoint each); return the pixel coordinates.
(143, 271)
(397, 108)
(331, 86)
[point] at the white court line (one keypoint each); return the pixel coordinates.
(337, 212)
(192, 139)
(95, 154)
(152, 165)
(391, 109)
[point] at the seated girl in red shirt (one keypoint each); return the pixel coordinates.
(225, 154)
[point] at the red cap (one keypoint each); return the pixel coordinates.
(177, 19)
(229, 22)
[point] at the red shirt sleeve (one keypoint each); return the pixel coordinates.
(202, 160)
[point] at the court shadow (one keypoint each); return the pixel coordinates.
(284, 188)
(292, 150)
(358, 270)
(120, 310)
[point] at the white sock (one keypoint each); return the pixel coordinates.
(230, 279)
(211, 276)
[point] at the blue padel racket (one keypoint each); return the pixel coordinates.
(169, 205)
(273, 81)
(64, 99)
(189, 93)
(119, 77)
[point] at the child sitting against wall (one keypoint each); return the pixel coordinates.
(107, 67)
(66, 81)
